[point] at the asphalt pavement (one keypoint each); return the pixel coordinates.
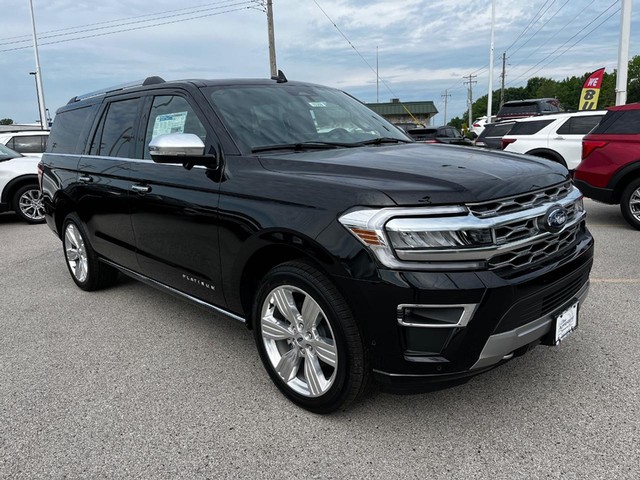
(129, 382)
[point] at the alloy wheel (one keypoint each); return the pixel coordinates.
(76, 253)
(299, 341)
(31, 206)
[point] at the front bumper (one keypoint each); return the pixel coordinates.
(509, 316)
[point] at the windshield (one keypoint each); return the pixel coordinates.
(6, 153)
(294, 115)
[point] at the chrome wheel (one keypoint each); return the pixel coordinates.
(299, 341)
(76, 253)
(30, 205)
(634, 204)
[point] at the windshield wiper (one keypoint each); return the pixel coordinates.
(300, 146)
(381, 140)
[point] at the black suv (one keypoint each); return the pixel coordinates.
(528, 108)
(352, 252)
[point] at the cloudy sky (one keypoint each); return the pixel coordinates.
(425, 46)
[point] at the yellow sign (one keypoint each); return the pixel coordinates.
(591, 91)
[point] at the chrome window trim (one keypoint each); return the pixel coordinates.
(467, 313)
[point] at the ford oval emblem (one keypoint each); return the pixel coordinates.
(555, 219)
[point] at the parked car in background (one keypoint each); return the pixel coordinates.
(610, 167)
(491, 136)
(528, 108)
(443, 134)
(27, 142)
(478, 124)
(554, 137)
(19, 190)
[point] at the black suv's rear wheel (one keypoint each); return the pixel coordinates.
(83, 264)
(630, 204)
(308, 339)
(27, 203)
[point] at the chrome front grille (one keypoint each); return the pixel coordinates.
(520, 202)
(536, 252)
(526, 228)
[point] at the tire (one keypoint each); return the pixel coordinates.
(86, 270)
(27, 203)
(308, 339)
(630, 204)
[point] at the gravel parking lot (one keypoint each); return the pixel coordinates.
(131, 383)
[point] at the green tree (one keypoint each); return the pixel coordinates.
(6, 121)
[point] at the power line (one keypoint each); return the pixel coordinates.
(123, 19)
(136, 28)
(557, 31)
(364, 59)
(527, 27)
(541, 27)
(573, 45)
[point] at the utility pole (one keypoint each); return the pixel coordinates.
(44, 125)
(377, 78)
(490, 97)
(446, 96)
(504, 63)
(272, 39)
(470, 82)
(623, 52)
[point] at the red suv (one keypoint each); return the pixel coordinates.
(610, 167)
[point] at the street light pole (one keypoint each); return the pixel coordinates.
(490, 97)
(44, 125)
(623, 52)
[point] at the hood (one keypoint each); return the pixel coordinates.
(424, 174)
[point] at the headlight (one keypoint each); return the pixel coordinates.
(438, 229)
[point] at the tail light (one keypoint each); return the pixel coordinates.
(506, 141)
(589, 146)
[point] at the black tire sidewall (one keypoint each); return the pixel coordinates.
(296, 277)
(624, 203)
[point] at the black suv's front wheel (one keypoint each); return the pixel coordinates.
(307, 338)
(630, 204)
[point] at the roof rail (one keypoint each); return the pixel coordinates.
(138, 83)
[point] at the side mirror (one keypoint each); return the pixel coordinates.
(185, 148)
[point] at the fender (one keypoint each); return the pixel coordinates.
(7, 193)
(547, 153)
(633, 167)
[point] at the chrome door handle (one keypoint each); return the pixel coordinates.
(140, 188)
(559, 138)
(85, 179)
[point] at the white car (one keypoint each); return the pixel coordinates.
(557, 137)
(27, 142)
(478, 124)
(19, 189)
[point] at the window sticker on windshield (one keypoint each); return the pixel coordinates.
(169, 123)
(318, 104)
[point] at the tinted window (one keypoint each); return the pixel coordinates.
(518, 108)
(68, 134)
(171, 114)
(28, 144)
(117, 130)
(579, 125)
(621, 122)
(529, 128)
(421, 134)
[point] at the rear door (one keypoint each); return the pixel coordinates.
(174, 211)
(567, 139)
(104, 181)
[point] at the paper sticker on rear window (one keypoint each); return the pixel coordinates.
(318, 104)
(169, 123)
